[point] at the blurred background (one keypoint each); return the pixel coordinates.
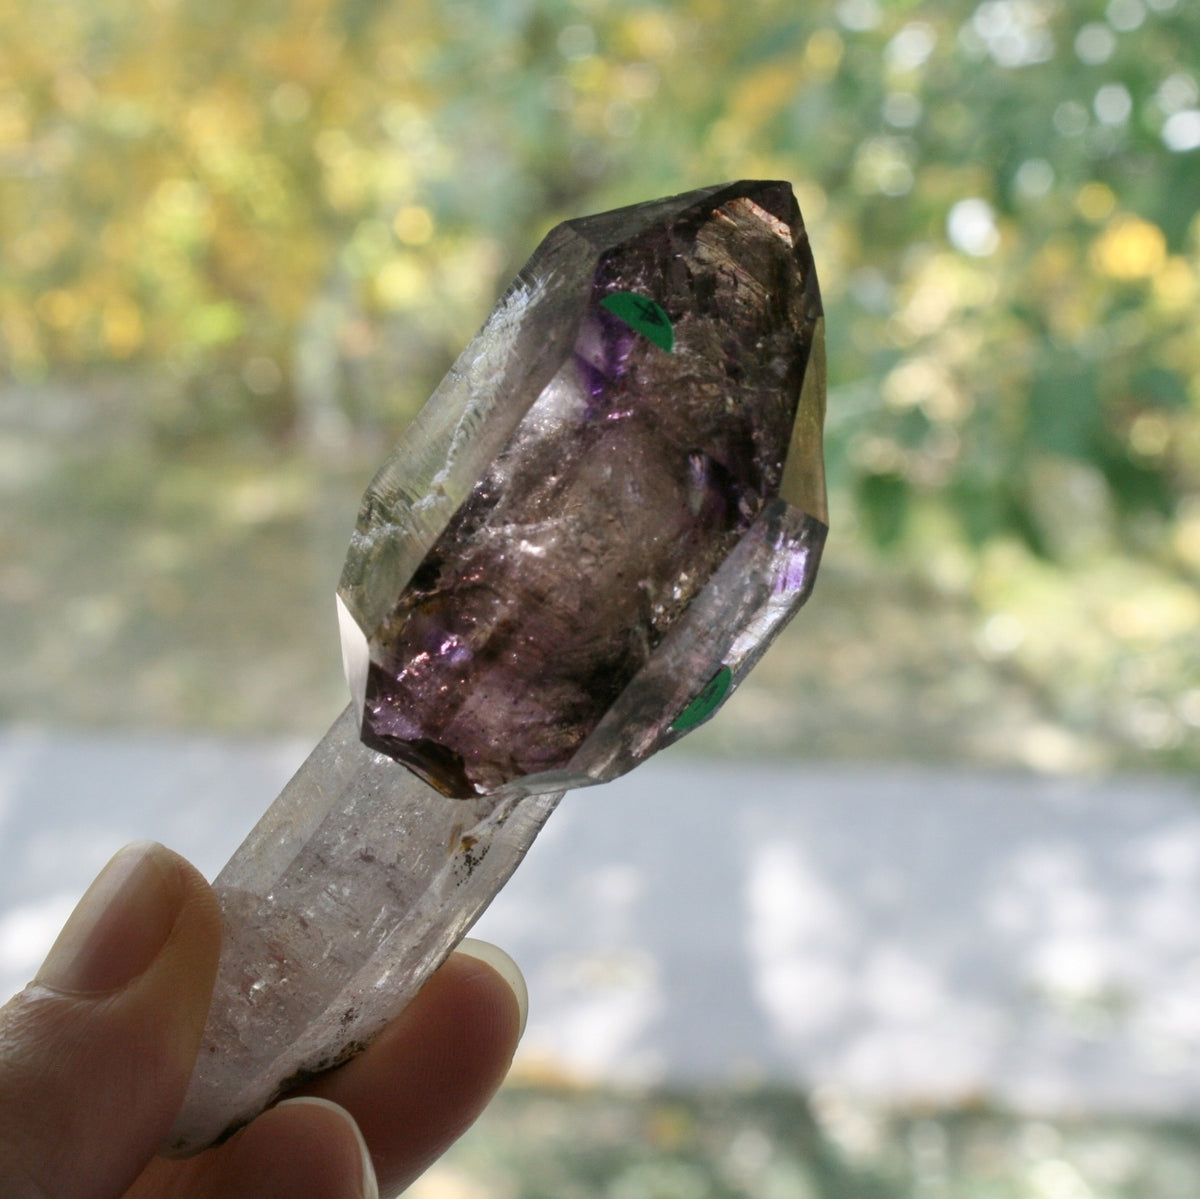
(239, 246)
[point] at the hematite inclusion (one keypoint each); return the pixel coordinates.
(616, 495)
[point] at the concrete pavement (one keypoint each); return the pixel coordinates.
(900, 933)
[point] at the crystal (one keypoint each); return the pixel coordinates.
(605, 519)
(588, 536)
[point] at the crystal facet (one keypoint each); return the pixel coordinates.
(622, 498)
(589, 535)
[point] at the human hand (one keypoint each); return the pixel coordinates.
(95, 1056)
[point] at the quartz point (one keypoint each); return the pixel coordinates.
(604, 514)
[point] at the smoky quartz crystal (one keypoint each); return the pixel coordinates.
(616, 495)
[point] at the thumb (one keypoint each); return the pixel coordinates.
(96, 1052)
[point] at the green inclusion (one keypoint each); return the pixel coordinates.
(706, 703)
(644, 315)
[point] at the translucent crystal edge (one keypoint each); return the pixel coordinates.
(604, 230)
(463, 426)
(803, 483)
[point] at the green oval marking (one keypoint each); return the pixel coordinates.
(706, 703)
(643, 314)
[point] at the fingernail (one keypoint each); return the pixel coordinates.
(369, 1187)
(494, 956)
(120, 924)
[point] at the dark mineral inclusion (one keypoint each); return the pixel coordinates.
(618, 428)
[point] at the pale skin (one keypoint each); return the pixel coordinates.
(96, 1052)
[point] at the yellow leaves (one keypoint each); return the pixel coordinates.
(222, 133)
(413, 225)
(1095, 201)
(257, 500)
(762, 93)
(402, 283)
(123, 327)
(73, 92)
(14, 121)
(587, 74)
(220, 120)
(637, 82)
(60, 308)
(1145, 616)
(1130, 249)
(290, 102)
(943, 286)
(305, 55)
(346, 178)
(465, 264)
(923, 382)
(603, 96)
(648, 33)
(36, 247)
(96, 316)
(239, 251)
(405, 57)
(19, 338)
(1150, 435)
(882, 165)
(1070, 624)
(1175, 286)
(213, 324)
(823, 55)
(180, 211)
(812, 199)
(442, 295)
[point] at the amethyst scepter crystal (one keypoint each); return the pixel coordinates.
(588, 536)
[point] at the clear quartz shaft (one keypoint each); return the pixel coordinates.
(351, 890)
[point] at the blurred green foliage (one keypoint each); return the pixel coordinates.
(1002, 194)
(279, 224)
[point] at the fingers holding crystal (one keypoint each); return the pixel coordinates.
(306, 1147)
(430, 1073)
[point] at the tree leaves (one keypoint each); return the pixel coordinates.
(1001, 206)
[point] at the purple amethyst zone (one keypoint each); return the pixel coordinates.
(629, 480)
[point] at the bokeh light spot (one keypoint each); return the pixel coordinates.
(971, 227)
